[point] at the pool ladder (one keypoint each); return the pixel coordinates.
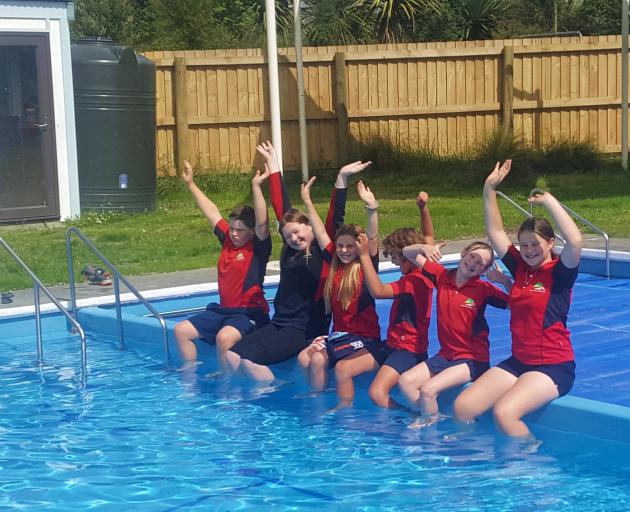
(117, 278)
(37, 286)
(574, 214)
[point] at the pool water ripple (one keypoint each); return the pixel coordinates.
(140, 437)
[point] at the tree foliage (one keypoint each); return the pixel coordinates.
(198, 24)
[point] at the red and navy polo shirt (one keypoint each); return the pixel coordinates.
(462, 327)
(540, 300)
(241, 270)
(411, 313)
(360, 318)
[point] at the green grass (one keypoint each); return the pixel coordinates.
(176, 236)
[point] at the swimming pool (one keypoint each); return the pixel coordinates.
(140, 436)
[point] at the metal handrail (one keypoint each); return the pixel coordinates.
(117, 276)
(37, 286)
(574, 214)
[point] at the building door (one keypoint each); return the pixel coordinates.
(28, 164)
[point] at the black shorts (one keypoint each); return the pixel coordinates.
(402, 360)
(271, 344)
(437, 363)
(215, 317)
(562, 374)
(340, 345)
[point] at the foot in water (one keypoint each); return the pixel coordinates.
(269, 387)
(426, 421)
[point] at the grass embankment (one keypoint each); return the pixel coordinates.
(176, 236)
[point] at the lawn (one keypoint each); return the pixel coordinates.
(176, 236)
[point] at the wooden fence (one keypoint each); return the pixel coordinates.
(212, 106)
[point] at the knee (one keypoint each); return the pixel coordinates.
(225, 341)
(407, 381)
(304, 360)
(379, 396)
(463, 410)
(318, 360)
(181, 331)
(342, 371)
(504, 413)
(428, 391)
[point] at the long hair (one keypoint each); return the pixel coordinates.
(351, 277)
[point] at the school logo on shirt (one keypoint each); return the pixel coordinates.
(240, 257)
(538, 287)
(469, 304)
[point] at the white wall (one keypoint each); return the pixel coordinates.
(52, 18)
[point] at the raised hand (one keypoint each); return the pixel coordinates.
(187, 172)
(363, 244)
(366, 196)
(498, 174)
(268, 152)
(259, 177)
(354, 168)
(305, 190)
(538, 197)
(422, 199)
(433, 252)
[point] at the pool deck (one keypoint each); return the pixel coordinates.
(200, 276)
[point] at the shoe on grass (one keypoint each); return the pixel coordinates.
(96, 275)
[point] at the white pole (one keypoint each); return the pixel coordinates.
(274, 87)
(299, 65)
(624, 84)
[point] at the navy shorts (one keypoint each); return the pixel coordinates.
(215, 317)
(271, 344)
(437, 364)
(562, 374)
(340, 345)
(402, 360)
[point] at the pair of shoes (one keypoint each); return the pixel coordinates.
(6, 298)
(96, 275)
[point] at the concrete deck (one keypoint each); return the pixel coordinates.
(148, 282)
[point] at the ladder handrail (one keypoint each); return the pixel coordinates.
(117, 278)
(37, 286)
(571, 212)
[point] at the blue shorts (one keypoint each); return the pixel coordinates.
(340, 345)
(402, 360)
(562, 374)
(215, 317)
(437, 364)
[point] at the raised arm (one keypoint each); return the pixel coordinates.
(377, 288)
(319, 230)
(570, 255)
(337, 208)
(260, 205)
(207, 207)
(419, 254)
(426, 222)
(371, 205)
(277, 187)
(491, 214)
(496, 275)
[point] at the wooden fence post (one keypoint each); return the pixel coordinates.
(508, 89)
(341, 106)
(181, 113)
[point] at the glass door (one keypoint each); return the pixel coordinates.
(28, 170)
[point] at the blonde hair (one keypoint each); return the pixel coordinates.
(351, 278)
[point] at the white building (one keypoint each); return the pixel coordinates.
(38, 156)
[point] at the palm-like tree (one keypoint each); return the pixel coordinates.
(394, 18)
(482, 17)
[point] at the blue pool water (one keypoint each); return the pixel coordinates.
(140, 437)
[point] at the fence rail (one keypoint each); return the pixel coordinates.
(212, 105)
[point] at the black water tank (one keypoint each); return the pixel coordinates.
(114, 98)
